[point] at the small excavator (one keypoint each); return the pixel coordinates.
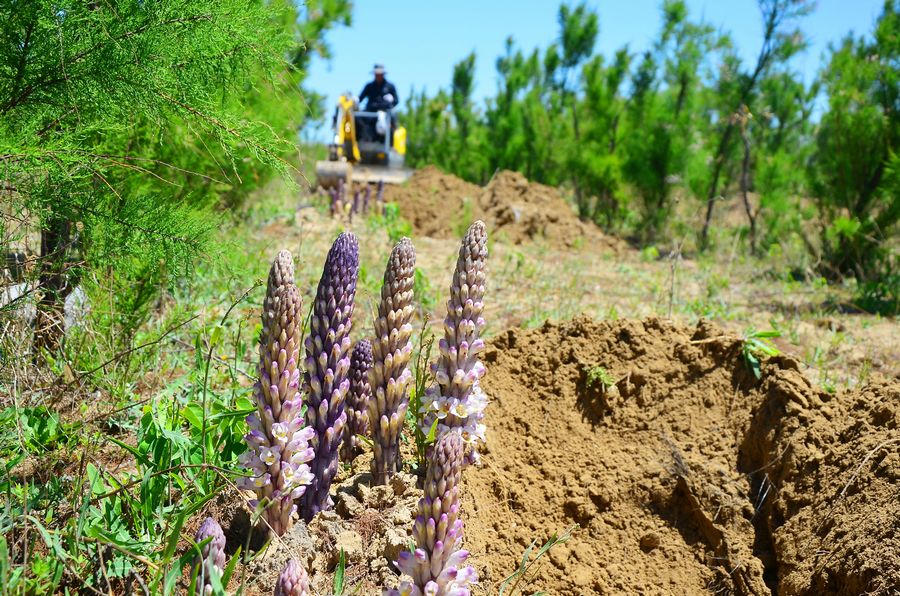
(366, 148)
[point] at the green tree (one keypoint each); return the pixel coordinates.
(597, 164)
(123, 124)
(662, 113)
(738, 89)
(855, 172)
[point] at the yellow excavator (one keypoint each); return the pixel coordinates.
(366, 148)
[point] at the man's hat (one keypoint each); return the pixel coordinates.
(379, 69)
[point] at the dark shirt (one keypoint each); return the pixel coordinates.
(374, 93)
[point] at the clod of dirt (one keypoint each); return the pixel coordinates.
(440, 205)
(661, 474)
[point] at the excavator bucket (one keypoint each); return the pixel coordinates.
(370, 174)
(328, 173)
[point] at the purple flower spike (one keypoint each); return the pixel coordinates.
(277, 453)
(357, 406)
(293, 580)
(391, 352)
(437, 566)
(327, 365)
(212, 559)
(456, 399)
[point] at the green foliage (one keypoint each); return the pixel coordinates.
(423, 379)
(756, 344)
(36, 430)
(516, 582)
(392, 222)
(855, 172)
(649, 144)
(339, 573)
(597, 376)
(126, 124)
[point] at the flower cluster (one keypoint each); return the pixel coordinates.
(437, 565)
(277, 453)
(293, 580)
(327, 364)
(391, 351)
(212, 558)
(456, 399)
(357, 405)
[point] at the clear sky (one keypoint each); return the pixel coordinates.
(419, 41)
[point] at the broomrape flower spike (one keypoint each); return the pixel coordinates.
(456, 399)
(391, 352)
(327, 364)
(278, 453)
(293, 580)
(357, 405)
(437, 565)
(281, 273)
(212, 558)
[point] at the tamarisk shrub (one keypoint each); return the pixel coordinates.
(357, 406)
(391, 352)
(456, 399)
(212, 558)
(293, 580)
(277, 453)
(327, 364)
(436, 566)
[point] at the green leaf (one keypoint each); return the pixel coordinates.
(215, 337)
(432, 433)
(174, 537)
(229, 568)
(193, 413)
(339, 574)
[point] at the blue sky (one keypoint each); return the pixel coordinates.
(419, 41)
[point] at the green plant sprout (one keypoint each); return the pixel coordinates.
(514, 582)
(756, 344)
(597, 375)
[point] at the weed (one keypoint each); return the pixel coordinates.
(392, 222)
(424, 291)
(597, 375)
(339, 574)
(516, 582)
(756, 344)
(422, 381)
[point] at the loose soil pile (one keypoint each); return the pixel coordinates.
(684, 474)
(440, 205)
(687, 475)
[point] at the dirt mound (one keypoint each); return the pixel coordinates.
(523, 211)
(684, 472)
(435, 203)
(441, 205)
